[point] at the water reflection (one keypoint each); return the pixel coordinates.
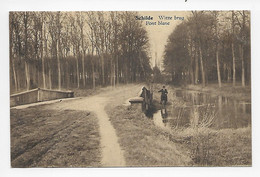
(160, 118)
(204, 110)
(164, 113)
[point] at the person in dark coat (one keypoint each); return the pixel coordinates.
(164, 94)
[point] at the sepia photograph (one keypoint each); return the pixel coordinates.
(130, 88)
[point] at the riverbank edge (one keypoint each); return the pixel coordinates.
(227, 90)
(226, 147)
(202, 146)
(144, 144)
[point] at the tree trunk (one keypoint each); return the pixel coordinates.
(27, 75)
(77, 65)
(83, 69)
(43, 73)
(83, 54)
(34, 75)
(242, 64)
(93, 68)
(234, 64)
(196, 66)
(218, 68)
(202, 67)
(14, 73)
(93, 74)
(114, 75)
(229, 74)
(59, 67)
(50, 83)
(111, 73)
(103, 69)
(191, 66)
(242, 49)
(249, 69)
(117, 71)
(217, 50)
(42, 56)
(27, 69)
(11, 55)
(18, 80)
(233, 51)
(13, 64)
(68, 74)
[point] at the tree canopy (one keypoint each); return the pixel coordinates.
(210, 46)
(76, 49)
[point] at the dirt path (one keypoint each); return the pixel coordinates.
(112, 155)
(73, 118)
(111, 151)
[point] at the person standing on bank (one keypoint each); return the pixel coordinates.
(164, 93)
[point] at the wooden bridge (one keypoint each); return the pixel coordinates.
(38, 95)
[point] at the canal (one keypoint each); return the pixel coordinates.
(204, 110)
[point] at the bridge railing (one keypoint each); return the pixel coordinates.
(37, 95)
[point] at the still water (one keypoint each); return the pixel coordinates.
(204, 110)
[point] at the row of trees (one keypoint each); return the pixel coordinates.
(210, 46)
(76, 49)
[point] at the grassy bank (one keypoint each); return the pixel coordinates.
(148, 145)
(51, 138)
(143, 143)
(207, 147)
(226, 147)
(80, 92)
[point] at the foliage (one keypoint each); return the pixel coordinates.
(199, 50)
(76, 49)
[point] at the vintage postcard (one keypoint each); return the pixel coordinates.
(130, 88)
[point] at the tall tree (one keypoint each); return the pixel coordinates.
(26, 59)
(216, 24)
(232, 46)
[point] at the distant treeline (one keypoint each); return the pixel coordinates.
(210, 46)
(76, 49)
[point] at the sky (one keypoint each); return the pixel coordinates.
(158, 34)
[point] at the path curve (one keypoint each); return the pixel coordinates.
(112, 155)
